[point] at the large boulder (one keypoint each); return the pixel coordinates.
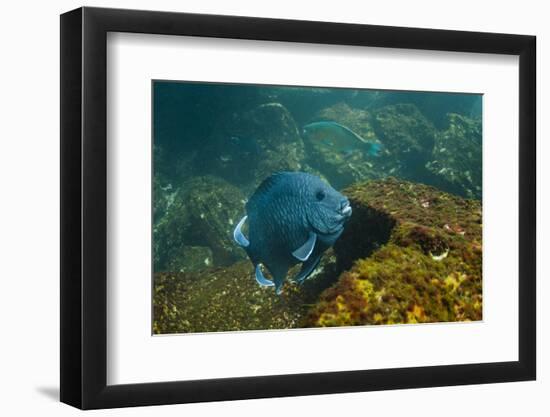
(410, 254)
(406, 136)
(278, 136)
(202, 213)
(255, 144)
(456, 161)
(408, 139)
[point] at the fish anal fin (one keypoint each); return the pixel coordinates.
(279, 281)
(307, 268)
(278, 272)
(260, 279)
(304, 251)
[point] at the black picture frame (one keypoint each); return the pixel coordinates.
(84, 207)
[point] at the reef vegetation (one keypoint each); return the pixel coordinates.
(410, 253)
(421, 262)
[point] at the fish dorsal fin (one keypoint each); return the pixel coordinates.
(265, 188)
(238, 234)
(333, 124)
(303, 252)
(347, 129)
(260, 279)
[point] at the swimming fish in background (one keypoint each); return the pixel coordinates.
(339, 138)
(292, 217)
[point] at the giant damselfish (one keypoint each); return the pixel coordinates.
(292, 217)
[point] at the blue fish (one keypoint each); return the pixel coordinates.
(293, 217)
(339, 138)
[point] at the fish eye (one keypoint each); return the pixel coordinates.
(320, 195)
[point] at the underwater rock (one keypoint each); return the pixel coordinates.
(203, 213)
(190, 258)
(457, 157)
(163, 198)
(408, 139)
(255, 144)
(229, 299)
(305, 102)
(410, 254)
(437, 106)
(278, 136)
(344, 169)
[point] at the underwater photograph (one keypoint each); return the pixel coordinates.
(282, 207)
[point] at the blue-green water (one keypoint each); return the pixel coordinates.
(229, 130)
(215, 143)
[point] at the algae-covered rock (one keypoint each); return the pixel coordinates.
(229, 299)
(253, 145)
(278, 136)
(304, 102)
(163, 197)
(408, 139)
(410, 254)
(457, 157)
(434, 105)
(190, 258)
(202, 213)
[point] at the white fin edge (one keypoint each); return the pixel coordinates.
(238, 234)
(260, 279)
(304, 251)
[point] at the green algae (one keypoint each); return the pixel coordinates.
(408, 138)
(428, 271)
(457, 157)
(410, 254)
(229, 299)
(203, 213)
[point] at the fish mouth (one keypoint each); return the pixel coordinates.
(345, 209)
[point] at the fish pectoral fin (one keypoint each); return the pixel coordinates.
(260, 279)
(307, 268)
(304, 251)
(238, 234)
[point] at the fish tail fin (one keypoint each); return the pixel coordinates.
(279, 287)
(374, 148)
(279, 273)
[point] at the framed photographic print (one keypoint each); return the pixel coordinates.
(256, 208)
